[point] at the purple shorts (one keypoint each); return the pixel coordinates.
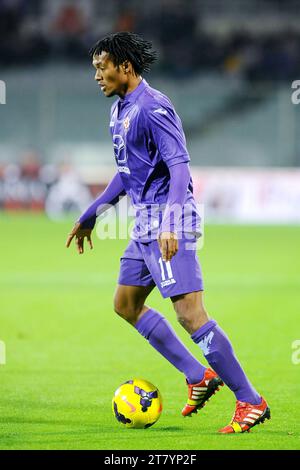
(142, 265)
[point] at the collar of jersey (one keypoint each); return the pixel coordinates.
(131, 97)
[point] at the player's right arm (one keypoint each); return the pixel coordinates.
(84, 226)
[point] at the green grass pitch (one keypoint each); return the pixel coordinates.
(67, 351)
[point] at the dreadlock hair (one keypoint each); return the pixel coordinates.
(126, 46)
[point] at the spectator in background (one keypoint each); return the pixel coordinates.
(33, 30)
(21, 38)
(176, 23)
(68, 30)
(69, 22)
(68, 195)
(21, 186)
(126, 20)
(29, 186)
(11, 15)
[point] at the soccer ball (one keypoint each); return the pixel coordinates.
(137, 403)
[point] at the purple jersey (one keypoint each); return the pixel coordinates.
(148, 139)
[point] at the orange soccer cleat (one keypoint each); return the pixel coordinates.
(246, 416)
(200, 393)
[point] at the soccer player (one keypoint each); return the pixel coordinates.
(153, 170)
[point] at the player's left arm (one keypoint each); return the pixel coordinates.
(84, 226)
(167, 133)
(179, 181)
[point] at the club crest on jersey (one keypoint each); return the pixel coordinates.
(126, 123)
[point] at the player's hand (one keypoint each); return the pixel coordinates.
(168, 244)
(79, 234)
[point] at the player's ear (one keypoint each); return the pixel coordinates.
(126, 66)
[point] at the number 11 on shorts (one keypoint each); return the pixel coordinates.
(165, 266)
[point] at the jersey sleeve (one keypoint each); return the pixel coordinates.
(164, 127)
(109, 197)
(179, 181)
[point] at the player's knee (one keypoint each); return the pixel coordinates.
(120, 307)
(126, 310)
(186, 321)
(190, 318)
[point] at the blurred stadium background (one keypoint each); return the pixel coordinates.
(227, 66)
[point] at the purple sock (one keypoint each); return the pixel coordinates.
(155, 328)
(219, 353)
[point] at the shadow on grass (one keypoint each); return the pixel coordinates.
(23, 420)
(10, 420)
(166, 429)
